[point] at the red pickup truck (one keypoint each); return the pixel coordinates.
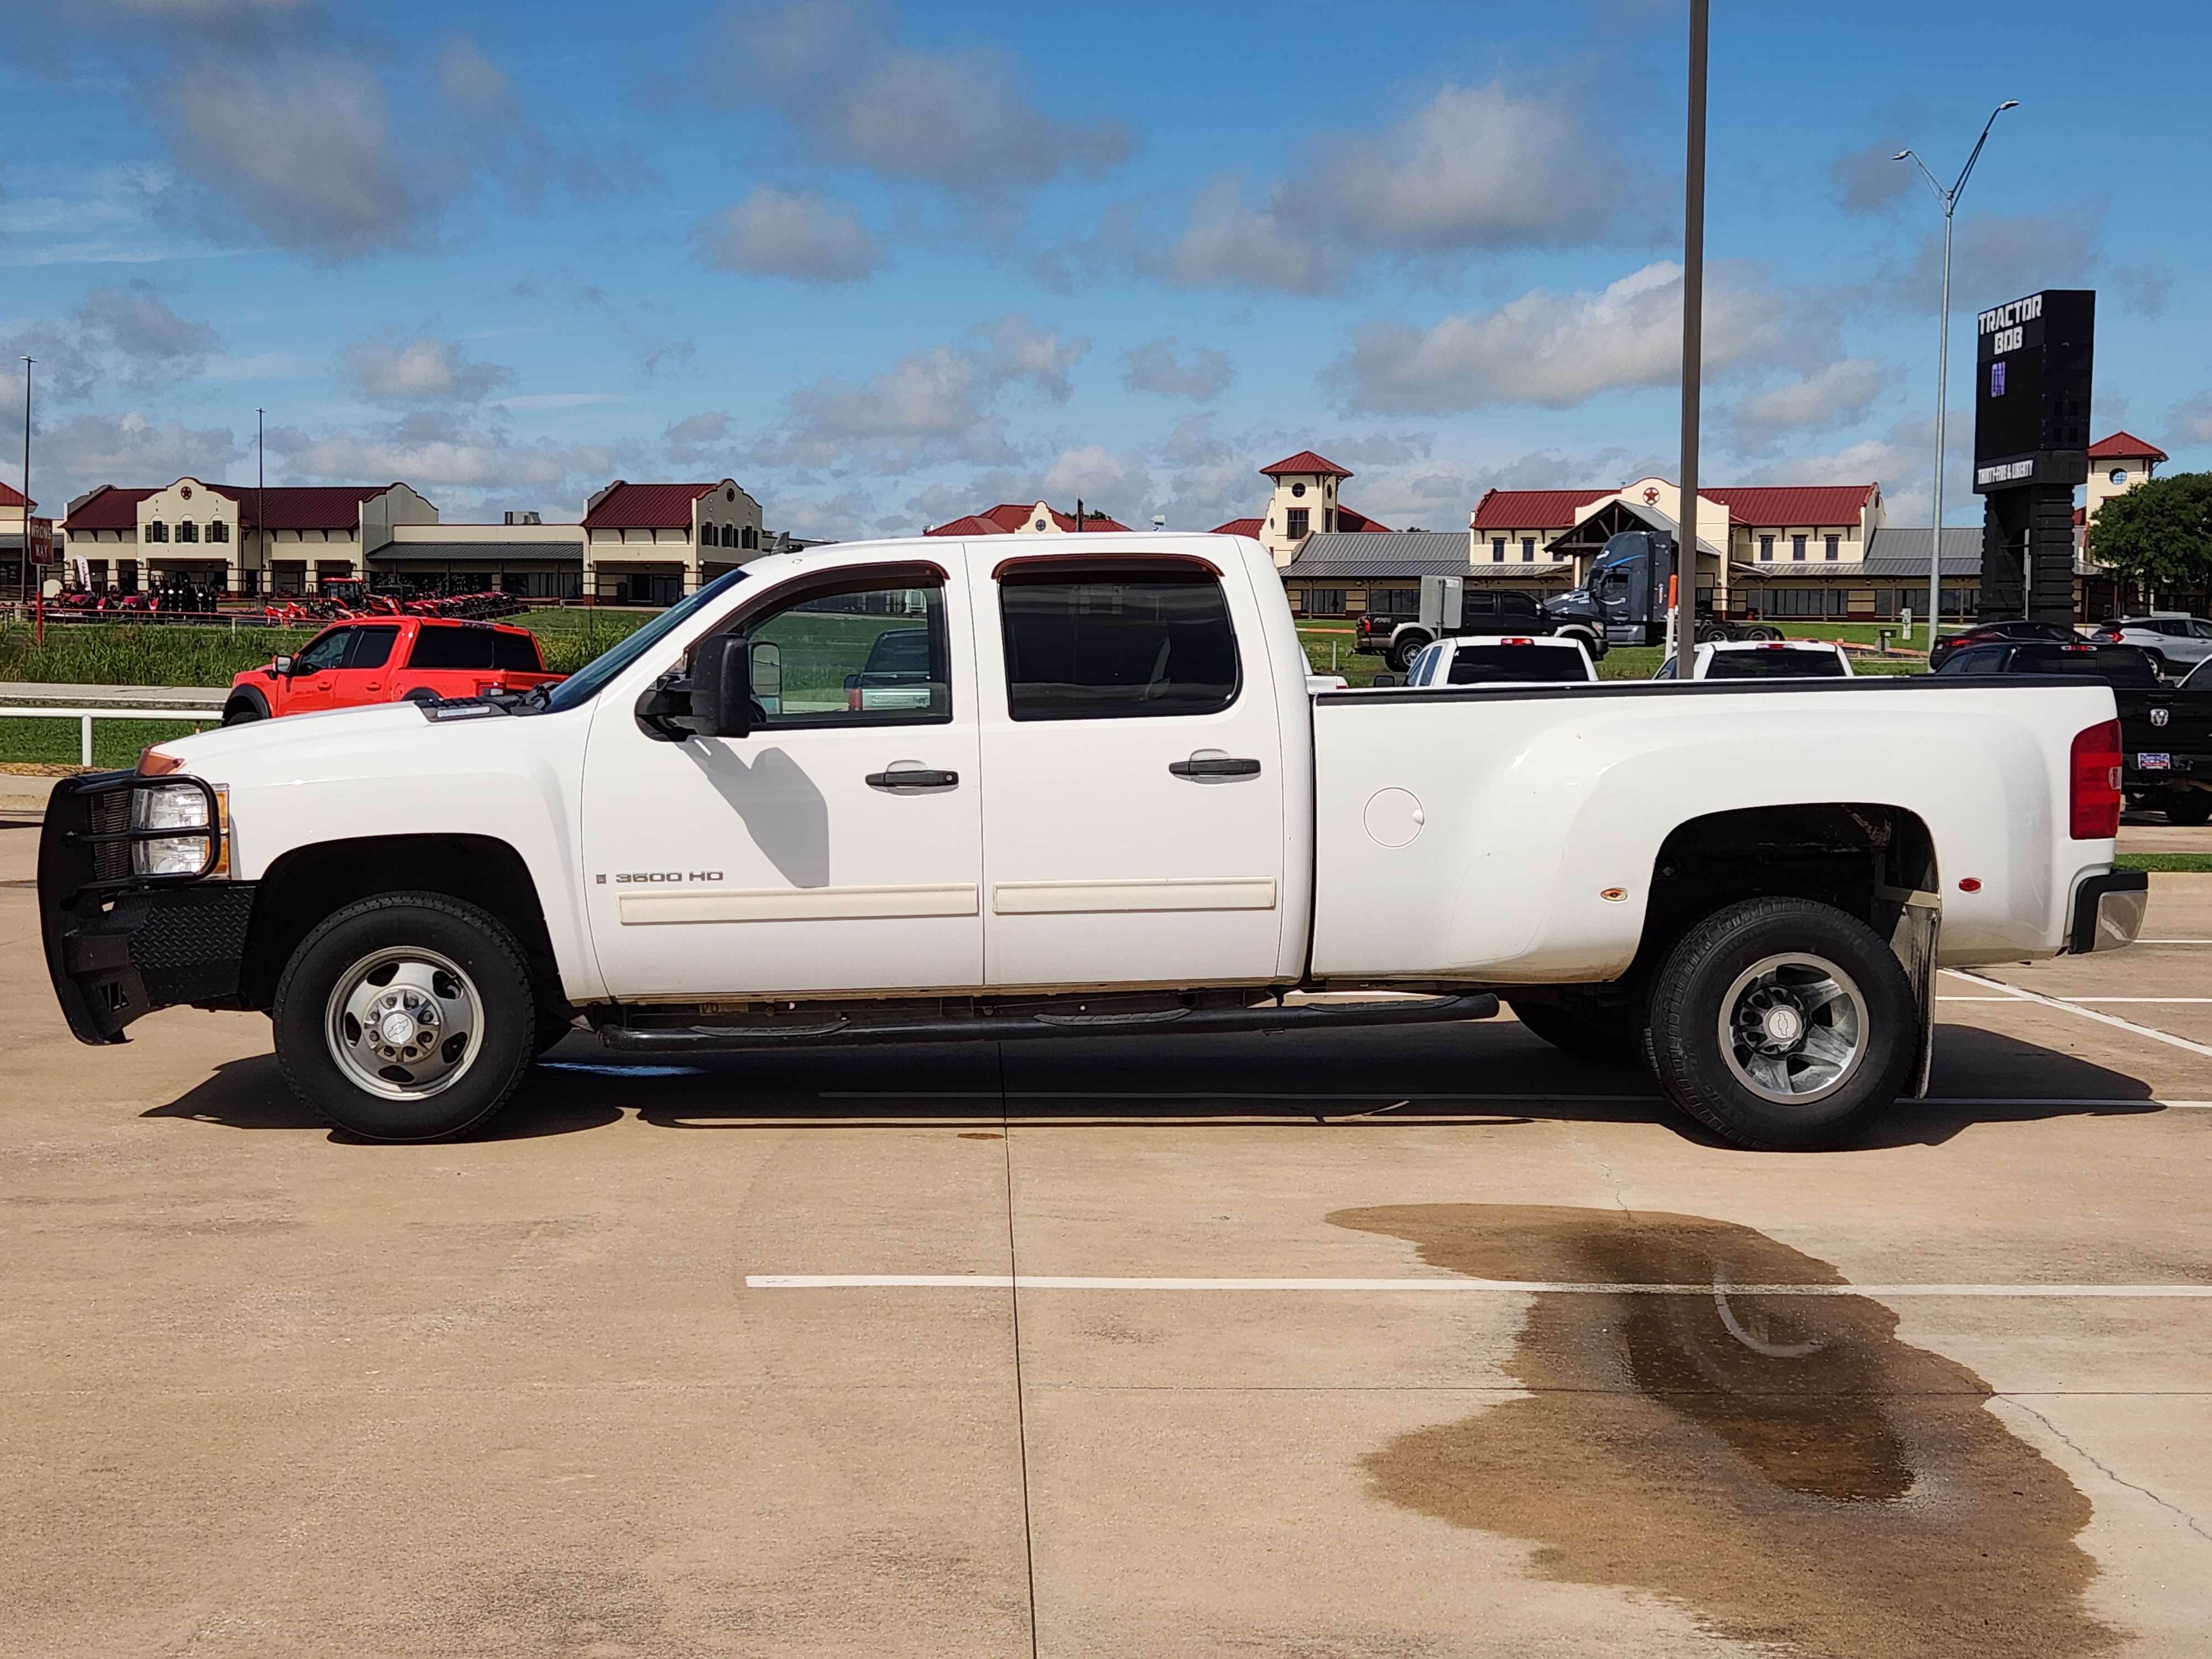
(407, 659)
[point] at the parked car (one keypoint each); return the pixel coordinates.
(1503, 660)
(1764, 660)
(406, 660)
(2022, 632)
(1112, 807)
(1453, 607)
(2166, 731)
(2176, 640)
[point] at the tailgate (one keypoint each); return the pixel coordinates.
(2166, 736)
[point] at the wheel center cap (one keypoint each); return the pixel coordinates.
(1784, 1025)
(396, 1028)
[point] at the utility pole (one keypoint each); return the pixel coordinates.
(1949, 198)
(38, 603)
(1684, 643)
(261, 507)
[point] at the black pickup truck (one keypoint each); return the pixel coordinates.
(2166, 731)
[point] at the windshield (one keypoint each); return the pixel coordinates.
(587, 683)
(1768, 664)
(2200, 678)
(1490, 665)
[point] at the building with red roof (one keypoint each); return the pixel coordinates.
(651, 543)
(1038, 518)
(233, 537)
(2116, 464)
(1303, 504)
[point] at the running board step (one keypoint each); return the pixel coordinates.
(839, 1033)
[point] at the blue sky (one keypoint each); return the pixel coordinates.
(886, 264)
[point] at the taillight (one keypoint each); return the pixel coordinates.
(2094, 783)
(1516, 641)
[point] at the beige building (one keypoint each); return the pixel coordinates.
(1303, 503)
(214, 535)
(651, 543)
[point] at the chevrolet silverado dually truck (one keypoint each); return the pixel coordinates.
(1083, 793)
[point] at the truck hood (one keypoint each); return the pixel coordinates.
(211, 755)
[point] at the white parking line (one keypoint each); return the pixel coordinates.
(2014, 991)
(1448, 1286)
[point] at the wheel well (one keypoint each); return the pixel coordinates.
(306, 885)
(1847, 854)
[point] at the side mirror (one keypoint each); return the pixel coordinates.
(1387, 680)
(282, 666)
(721, 687)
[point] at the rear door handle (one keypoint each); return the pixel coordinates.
(1222, 768)
(913, 778)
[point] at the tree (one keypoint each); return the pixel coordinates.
(2158, 535)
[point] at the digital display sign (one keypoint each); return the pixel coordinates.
(2032, 370)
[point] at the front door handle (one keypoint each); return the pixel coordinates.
(1222, 768)
(913, 778)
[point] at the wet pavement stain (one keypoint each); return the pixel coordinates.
(1785, 1465)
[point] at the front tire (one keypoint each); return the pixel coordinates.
(1782, 1026)
(247, 705)
(406, 1016)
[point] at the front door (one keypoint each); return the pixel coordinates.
(1133, 780)
(838, 848)
(313, 682)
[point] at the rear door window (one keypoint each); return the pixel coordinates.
(1102, 642)
(372, 647)
(1783, 665)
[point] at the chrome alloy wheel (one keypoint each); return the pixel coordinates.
(1793, 1028)
(404, 1022)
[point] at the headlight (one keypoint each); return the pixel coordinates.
(188, 808)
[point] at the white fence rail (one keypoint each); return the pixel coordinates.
(85, 717)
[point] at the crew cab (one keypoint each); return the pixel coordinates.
(1452, 606)
(2175, 641)
(1503, 660)
(2166, 731)
(407, 659)
(1764, 660)
(1108, 807)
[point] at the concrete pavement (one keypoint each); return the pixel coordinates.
(270, 1393)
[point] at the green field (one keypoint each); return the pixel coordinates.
(114, 743)
(2166, 863)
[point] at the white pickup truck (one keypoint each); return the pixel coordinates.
(937, 790)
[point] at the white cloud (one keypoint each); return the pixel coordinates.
(334, 187)
(2191, 419)
(1228, 243)
(960, 119)
(1162, 368)
(699, 440)
(1115, 482)
(933, 406)
(86, 450)
(1835, 395)
(1556, 350)
(776, 232)
(1473, 167)
(1872, 179)
(129, 333)
(423, 369)
(431, 448)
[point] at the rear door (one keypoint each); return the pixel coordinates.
(1133, 776)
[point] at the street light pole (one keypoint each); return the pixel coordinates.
(37, 605)
(1684, 625)
(1949, 198)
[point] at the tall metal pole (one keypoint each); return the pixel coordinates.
(1684, 623)
(261, 509)
(1949, 198)
(37, 605)
(1942, 407)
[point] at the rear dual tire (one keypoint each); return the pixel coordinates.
(1782, 1026)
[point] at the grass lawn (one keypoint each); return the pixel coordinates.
(2167, 863)
(114, 743)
